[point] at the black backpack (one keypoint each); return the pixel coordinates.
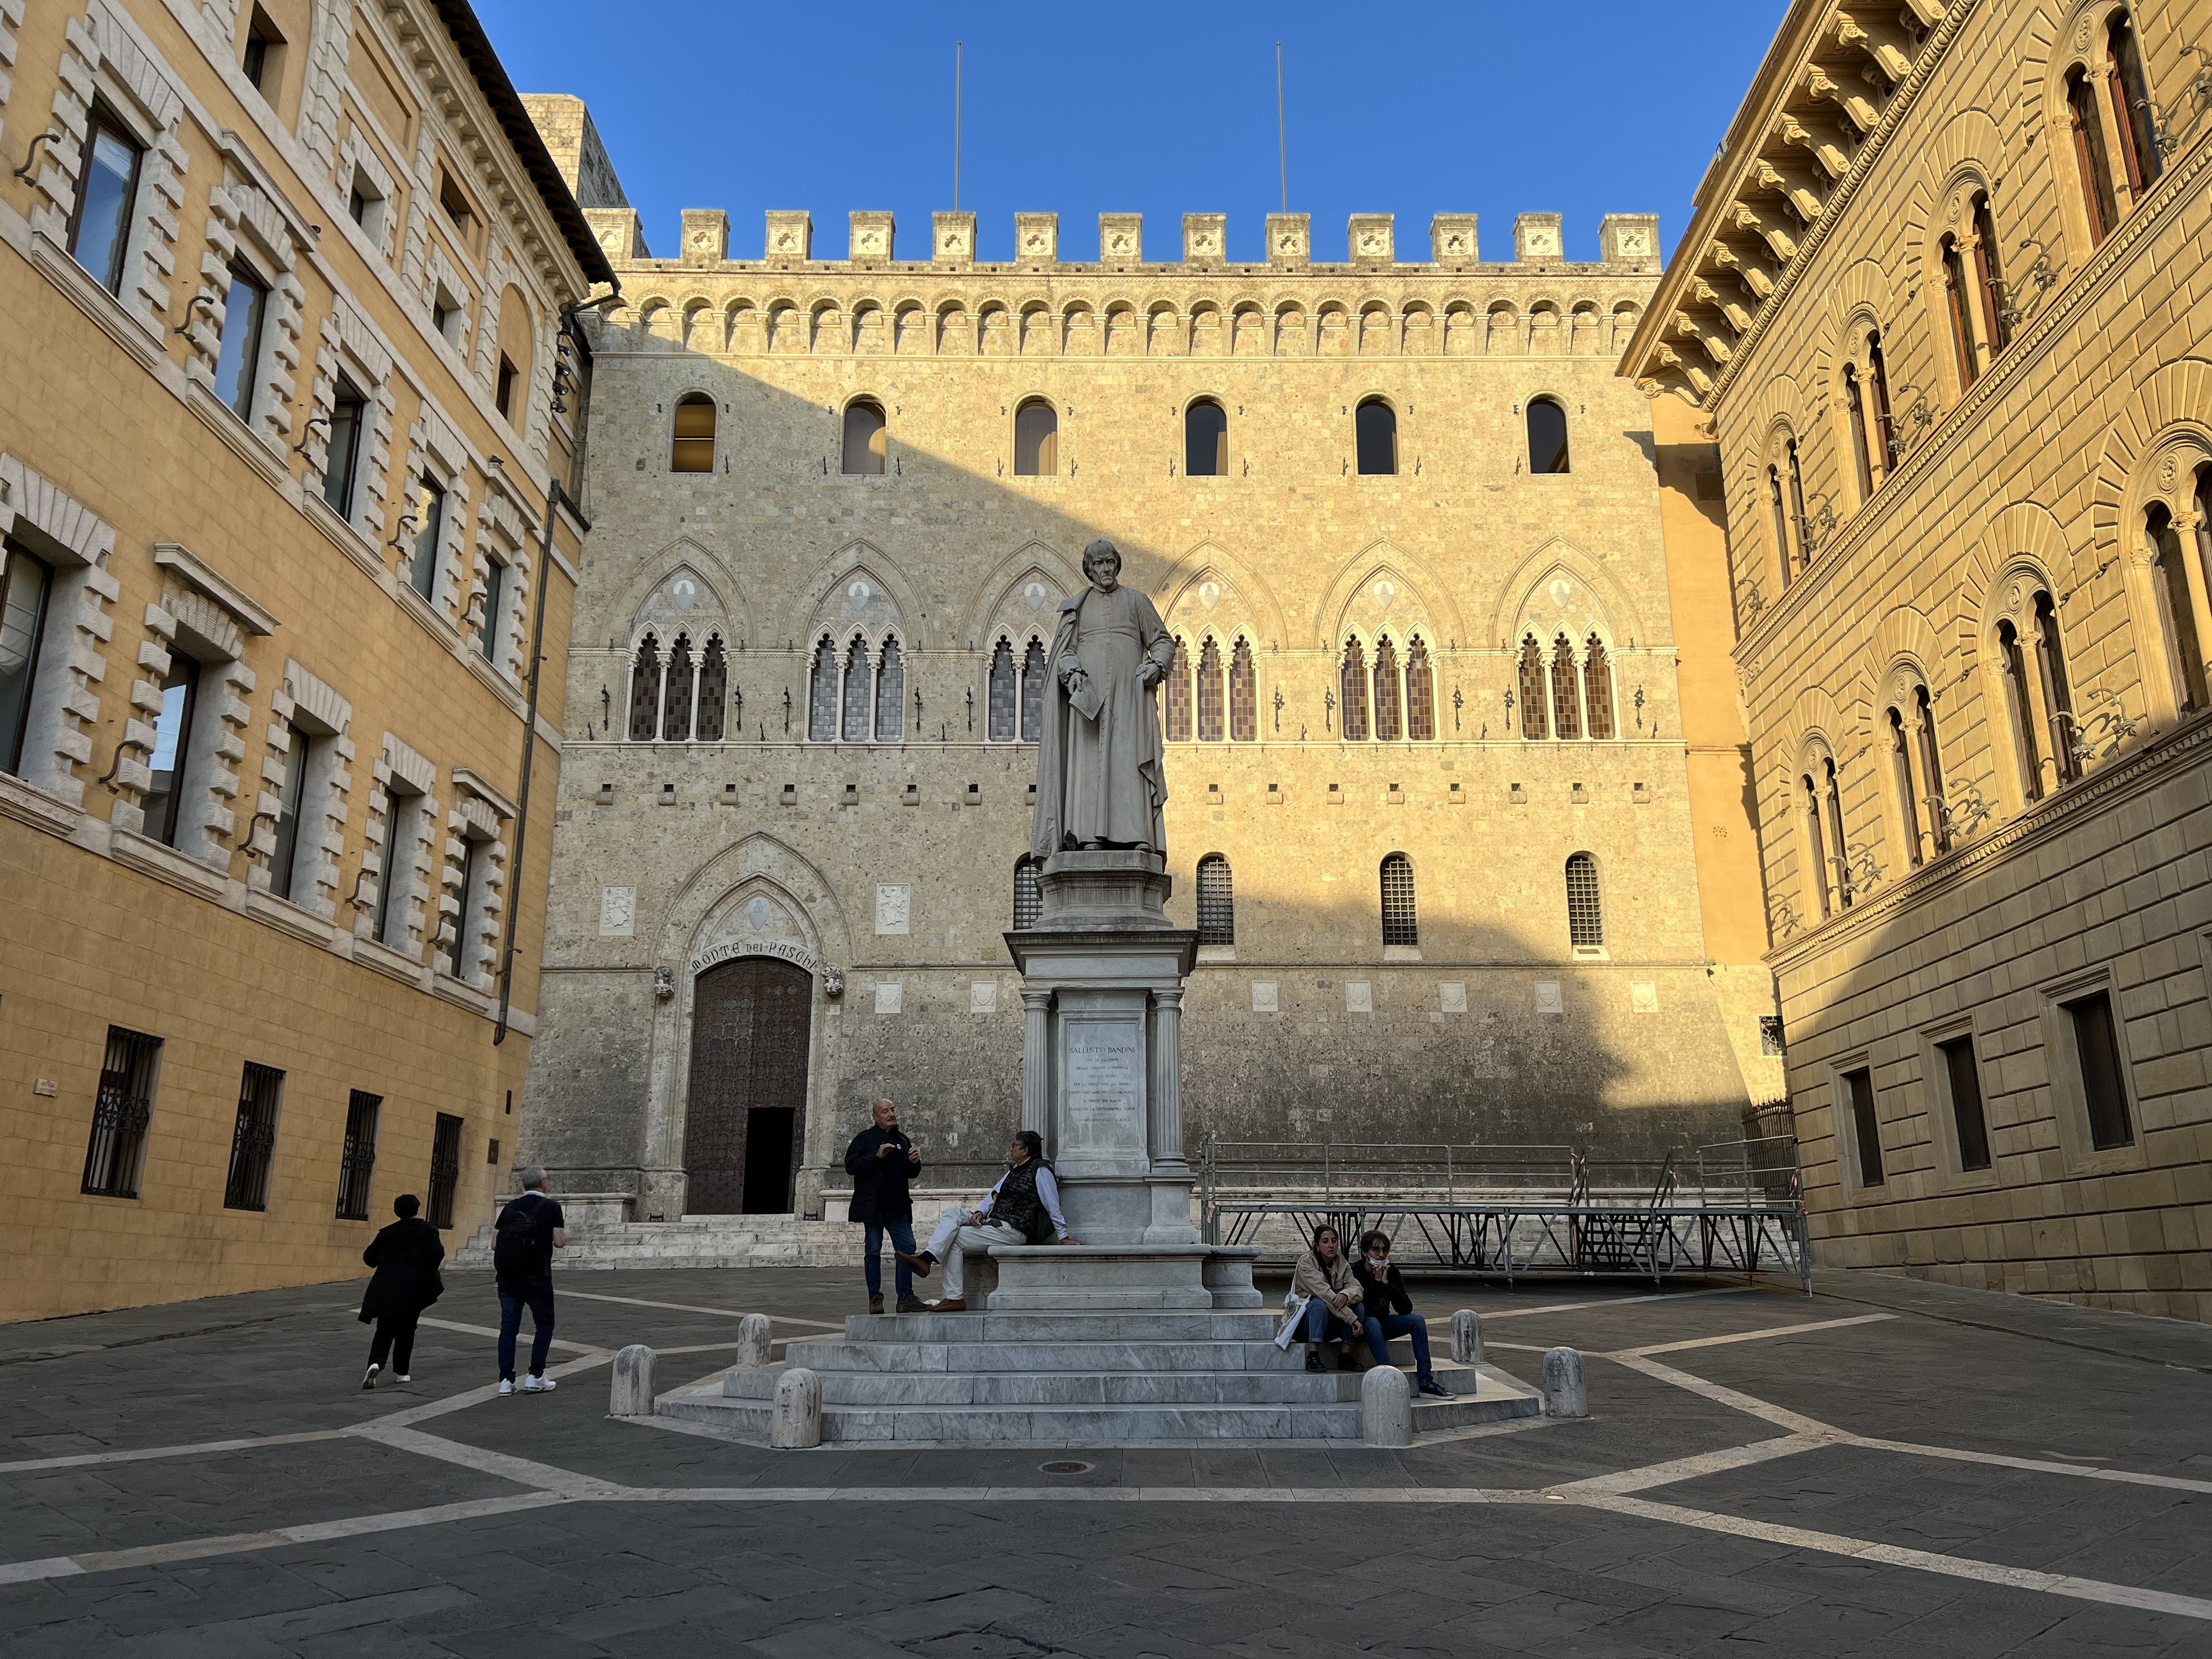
(514, 1245)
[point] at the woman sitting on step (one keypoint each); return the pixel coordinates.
(1324, 1277)
(1388, 1311)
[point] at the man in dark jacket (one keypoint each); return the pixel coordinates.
(1388, 1311)
(405, 1255)
(882, 1161)
(529, 1228)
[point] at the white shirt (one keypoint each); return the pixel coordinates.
(1047, 1189)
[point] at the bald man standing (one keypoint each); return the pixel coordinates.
(882, 1161)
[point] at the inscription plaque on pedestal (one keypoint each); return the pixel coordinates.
(1103, 1092)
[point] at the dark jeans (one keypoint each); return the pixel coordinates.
(1380, 1331)
(901, 1233)
(395, 1335)
(537, 1293)
(1323, 1324)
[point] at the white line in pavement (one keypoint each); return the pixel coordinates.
(1780, 1416)
(683, 1307)
(1690, 1468)
(83, 1460)
(1617, 1302)
(2080, 1471)
(1750, 1336)
(493, 1331)
(522, 1471)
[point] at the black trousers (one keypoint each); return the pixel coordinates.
(395, 1335)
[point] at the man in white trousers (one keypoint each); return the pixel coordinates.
(1024, 1208)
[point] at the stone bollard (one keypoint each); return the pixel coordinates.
(1564, 1393)
(797, 1422)
(632, 1393)
(1467, 1337)
(752, 1342)
(1386, 1407)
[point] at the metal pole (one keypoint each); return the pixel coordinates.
(956, 47)
(1282, 143)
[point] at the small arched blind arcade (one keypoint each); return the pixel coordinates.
(1217, 902)
(692, 447)
(1399, 924)
(1547, 437)
(1585, 910)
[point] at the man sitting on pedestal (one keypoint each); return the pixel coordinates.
(1024, 1208)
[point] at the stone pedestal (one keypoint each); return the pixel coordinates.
(1102, 1062)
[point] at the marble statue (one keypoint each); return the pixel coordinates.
(1101, 781)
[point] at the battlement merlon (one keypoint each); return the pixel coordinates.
(1628, 244)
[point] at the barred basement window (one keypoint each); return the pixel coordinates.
(113, 1156)
(1178, 710)
(1216, 902)
(1033, 678)
(254, 1142)
(1244, 695)
(890, 695)
(1353, 681)
(822, 695)
(1400, 925)
(1209, 692)
(1585, 912)
(1003, 695)
(714, 691)
(445, 1168)
(357, 1159)
(1029, 896)
(645, 692)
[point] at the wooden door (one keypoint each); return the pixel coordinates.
(750, 1021)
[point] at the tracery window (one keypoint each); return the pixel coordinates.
(1797, 503)
(676, 696)
(1566, 703)
(1597, 687)
(1931, 772)
(1244, 695)
(890, 694)
(2098, 199)
(1002, 694)
(1178, 714)
(2177, 614)
(1387, 706)
(1816, 860)
(1353, 689)
(1399, 924)
(2057, 695)
(1421, 693)
(1210, 723)
(2020, 709)
(1033, 677)
(1958, 308)
(1901, 769)
(1585, 911)
(714, 691)
(857, 689)
(1832, 795)
(1535, 716)
(1989, 276)
(1878, 388)
(1216, 902)
(822, 695)
(645, 690)
(1781, 521)
(2131, 110)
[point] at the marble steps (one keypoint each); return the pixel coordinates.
(1139, 1326)
(1009, 1389)
(1020, 1357)
(1028, 1425)
(719, 1241)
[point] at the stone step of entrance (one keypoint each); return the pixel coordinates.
(712, 1240)
(1062, 1388)
(1029, 1426)
(1022, 1358)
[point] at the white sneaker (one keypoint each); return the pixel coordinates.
(403, 1377)
(369, 1381)
(538, 1385)
(507, 1385)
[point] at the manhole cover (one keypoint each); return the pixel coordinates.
(1068, 1467)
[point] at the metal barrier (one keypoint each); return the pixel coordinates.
(1518, 1211)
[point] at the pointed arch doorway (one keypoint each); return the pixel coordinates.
(751, 1020)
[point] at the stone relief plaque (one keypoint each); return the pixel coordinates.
(1359, 997)
(893, 905)
(1643, 996)
(1547, 997)
(891, 999)
(617, 912)
(1451, 997)
(983, 997)
(1102, 1084)
(1263, 996)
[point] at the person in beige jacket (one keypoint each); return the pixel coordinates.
(1324, 1276)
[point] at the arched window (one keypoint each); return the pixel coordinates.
(1400, 924)
(1855, 410)
(1585, 911)
(713, 691)
(1216, 902)
(1375, 428)
(1989, 274)
(1797, 504)
(1037, 439)
(645, 692)
(1535, 718)
(1244, 695)
(2185, 659)
(1597, 687)
(1878, 386)
(1958, 310)
(1832, 794)
(1205, 440)
(1901, 771)
(1566, 692)
(2020, 708)
(867, 437)
(1004, 694)
(692, 448)
(2097, 197)
(1781, 521)
(890, 695)
(2132, 114)
(1352, 688)
(676, 700)
(1033, 692)
(822, 695)
(1386, 708)
(1178, 718)
(1816, 854)
(1547, 437)
(2057, 695)
(1421, 693)
(1931, 771)
(1028, 895)
(857, 689)
(1210, 724)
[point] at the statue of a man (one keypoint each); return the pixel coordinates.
(1101, 782)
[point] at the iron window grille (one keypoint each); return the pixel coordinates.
(1216, 902)
(445, 1168)
(116, 1151)
(357, 1162)
(1398, 924)
(1028, 895)
(254, 1142)
(1585, 913)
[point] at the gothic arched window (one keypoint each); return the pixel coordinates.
(691, 449)
(1216, 902)
(1178, 714)
(2057, 695)
(1244, 695)
(713, 691)
(1989, 276)
(1033, 677)
(1003, 695)
(2131, 111)
(1597, 688)
(1566, 692)
(1028, 895)
(1535, 718)
(2184, 660)
(1585, 911)
(1957, 306)
(890, 695)
(2020, 710)
(1388, 708)
(1210, 722)
(1421, 693)
(645, 692)
(1816, 852)
(1352, 688)
(1400, 924)
(1931, 771)
(675, 700)
(822, 695)
(857, 688)
(2097, 197)
(1901, 777)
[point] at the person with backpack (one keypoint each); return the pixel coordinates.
(530, 1228)
(405, 1255)
(1024, 1208)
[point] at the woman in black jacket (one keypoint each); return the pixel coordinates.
(405, 1255)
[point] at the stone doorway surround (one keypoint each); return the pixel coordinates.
(751, 1025)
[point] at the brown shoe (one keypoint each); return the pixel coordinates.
(924, 1264)
(949, 1304)
(875, 1304)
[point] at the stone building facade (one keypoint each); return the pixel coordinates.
(279, 428)
(1944, 302)
(1433, 798)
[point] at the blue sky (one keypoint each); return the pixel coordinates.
(1581, 107)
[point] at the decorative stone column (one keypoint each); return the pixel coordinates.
(1167, 1080)
(1037, 1062)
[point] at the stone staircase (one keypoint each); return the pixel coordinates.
(1108, 1378)
(695, 1241)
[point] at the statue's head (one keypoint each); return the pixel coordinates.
(1101, 565)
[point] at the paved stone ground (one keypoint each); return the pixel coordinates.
(1884, 1467)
